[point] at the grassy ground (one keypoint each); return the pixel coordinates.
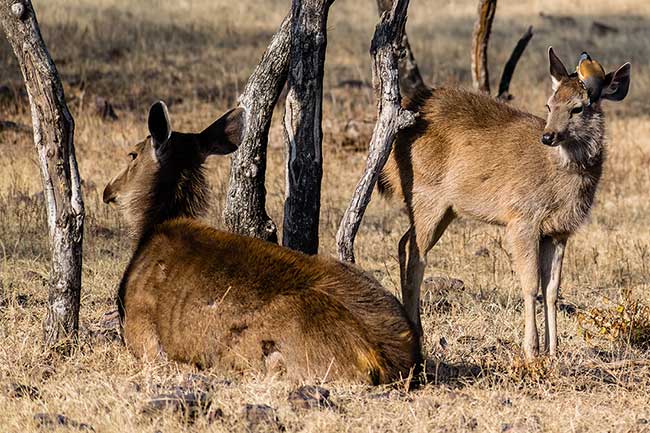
(196, 55)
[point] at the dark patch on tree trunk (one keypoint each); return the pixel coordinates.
(302, 124)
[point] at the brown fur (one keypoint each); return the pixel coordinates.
(216, 299)
(470, 155)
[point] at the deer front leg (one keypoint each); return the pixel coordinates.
(524, 246)
(551, 257)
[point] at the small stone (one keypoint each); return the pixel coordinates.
(53, 421)
(19, 390)
(310, 397)
(190, 405)
(261, 416)
(444, 284)
(482, 252)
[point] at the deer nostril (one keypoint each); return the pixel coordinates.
(108, 196)
(548, 137)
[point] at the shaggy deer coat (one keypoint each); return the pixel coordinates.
(471, 155)
(203, 296)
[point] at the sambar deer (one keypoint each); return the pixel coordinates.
(471, 155)
(199, 295)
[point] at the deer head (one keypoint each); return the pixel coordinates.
(576, 97)
(164, 176)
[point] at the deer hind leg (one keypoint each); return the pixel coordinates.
(551, 256)
(422, 236)
(141, 337)
(524, 246)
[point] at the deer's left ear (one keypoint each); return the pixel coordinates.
(617, 84)
(225, 134)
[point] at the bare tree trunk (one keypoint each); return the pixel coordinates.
(482, 29)
(391, 117)
(53, 137)
(511, 64)
(245, 211)
(411, 81)
(302, 124)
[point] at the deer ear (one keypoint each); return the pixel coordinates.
(557, 69)
(159, 126)
(617, 84)
(225, 134)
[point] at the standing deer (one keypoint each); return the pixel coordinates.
(470, 155)
(199, 295)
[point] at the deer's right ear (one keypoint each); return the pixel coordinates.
(225, 134)
(557, 69)
(160, 127)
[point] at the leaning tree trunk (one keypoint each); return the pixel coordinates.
(482, 28)
(53, 137)
(391, 117)
(302, 124)
(245, 211)
(411, 81)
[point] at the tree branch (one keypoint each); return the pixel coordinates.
(511, 64)
(391, 117)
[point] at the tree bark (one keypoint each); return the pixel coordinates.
(511, 64)
(245, 211)
(482, 29)
(391, 117)
(411, 81)
(302, 124)
(53, 137)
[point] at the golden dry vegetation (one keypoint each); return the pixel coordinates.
(196, 55)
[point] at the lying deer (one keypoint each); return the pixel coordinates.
(203, 296)
(470, 155)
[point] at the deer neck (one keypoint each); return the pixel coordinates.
(181, 195)
(584, 149)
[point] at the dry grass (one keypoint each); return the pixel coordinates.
(196, 55)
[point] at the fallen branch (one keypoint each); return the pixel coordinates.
(511, 64)
(391, 117)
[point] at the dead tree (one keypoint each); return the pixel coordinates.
(302, 124)
(411, 81)
(245, 211)
(482, 29)
(391, 117)
(481, 37)
(53, 137)
(511, 64)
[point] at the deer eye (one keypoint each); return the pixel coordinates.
(577, 110)
(133, 155)
(548, 108)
